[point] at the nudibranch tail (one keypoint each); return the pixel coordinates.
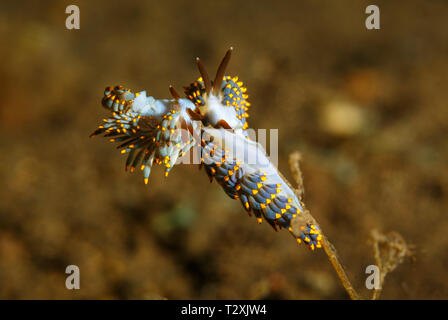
(258, 185)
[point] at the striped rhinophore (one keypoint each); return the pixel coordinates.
(212, 117)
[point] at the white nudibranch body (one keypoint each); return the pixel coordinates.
(148, 106)
(215, 112)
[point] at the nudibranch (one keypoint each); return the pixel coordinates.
(212, 118)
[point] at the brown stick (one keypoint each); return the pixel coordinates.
(329, 249)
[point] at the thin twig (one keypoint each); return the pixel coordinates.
(329, 249)
(294, 159)
(339, 268)
(390, 248)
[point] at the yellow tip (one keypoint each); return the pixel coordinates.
(146, 180)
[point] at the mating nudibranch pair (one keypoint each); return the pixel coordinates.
(164, 130)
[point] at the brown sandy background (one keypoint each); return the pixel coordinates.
(367, 109)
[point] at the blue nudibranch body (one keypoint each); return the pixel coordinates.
(212, 118)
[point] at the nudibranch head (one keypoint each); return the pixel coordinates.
(222, 102)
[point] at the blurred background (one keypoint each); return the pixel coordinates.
(367, 110)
